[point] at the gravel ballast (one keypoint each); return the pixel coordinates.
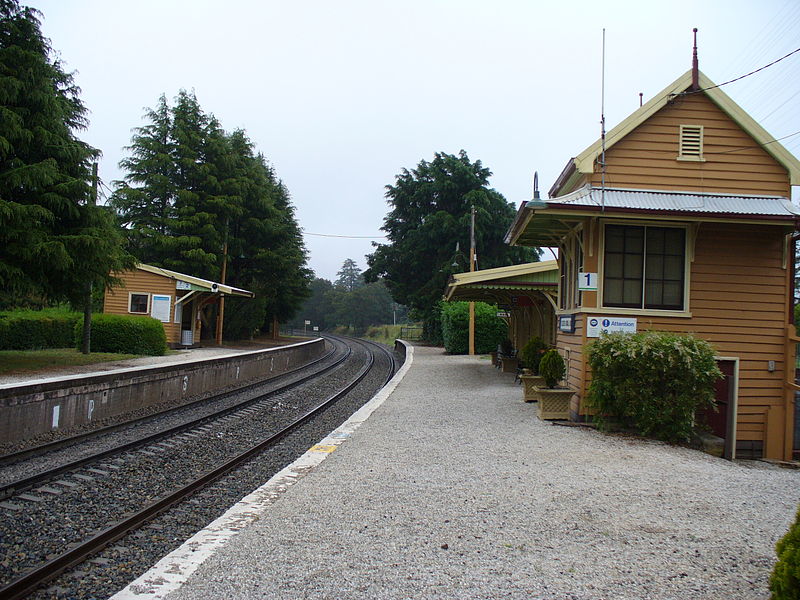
(454, 489)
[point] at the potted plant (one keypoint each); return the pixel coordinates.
(553, 401)
(531, 355)
(508, 357)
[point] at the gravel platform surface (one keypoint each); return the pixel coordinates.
(454, 489)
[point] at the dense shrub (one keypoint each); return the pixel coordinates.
(654, 380)
(552, 368)
(490, 329)
(37, 329)
(785, 580)
(532, 353)
(126, 334)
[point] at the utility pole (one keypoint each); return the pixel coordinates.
(221, 312)
(471, 269)
(86, 342)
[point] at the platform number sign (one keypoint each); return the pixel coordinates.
(587, 282)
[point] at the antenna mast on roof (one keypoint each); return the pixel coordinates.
(603, 127)
(695, 67)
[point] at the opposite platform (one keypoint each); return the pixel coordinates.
(453, 489)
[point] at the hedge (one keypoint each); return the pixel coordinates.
(490, 329)
(655, 381)
(126, 334)
(37, 329)
(785, 580)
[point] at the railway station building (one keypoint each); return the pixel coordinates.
(681, 220)
(175, 299)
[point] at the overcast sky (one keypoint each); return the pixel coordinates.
(341, 95)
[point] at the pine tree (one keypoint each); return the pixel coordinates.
(53, 239)
(349, 278)
(146, 197)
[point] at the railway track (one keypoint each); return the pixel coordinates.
(169, 470)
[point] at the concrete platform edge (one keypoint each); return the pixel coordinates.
(175, 568)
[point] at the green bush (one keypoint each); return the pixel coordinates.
(654, 380)
(532, 352)
(552, 368)
(126, 334)
(490, 329)
(785, 580)
(37, 329)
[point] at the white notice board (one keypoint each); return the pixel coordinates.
(597, 325)
(161, 306)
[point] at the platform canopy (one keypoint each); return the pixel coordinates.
(503, 284)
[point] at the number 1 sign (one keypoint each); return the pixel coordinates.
(587, 282)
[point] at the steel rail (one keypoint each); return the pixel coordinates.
(9, 489)
(41, 449)
(36, 577)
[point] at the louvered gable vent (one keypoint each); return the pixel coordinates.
(691, 142)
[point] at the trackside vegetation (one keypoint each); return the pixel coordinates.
(37, 329)
(126, 334)
(490, 329)
(652, 381)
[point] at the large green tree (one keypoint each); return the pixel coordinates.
(196, 199)
(54, 241)
(428, 231)
(349, 276)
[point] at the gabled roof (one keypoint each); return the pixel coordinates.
(202, 285)
(527, 277)
(585, 161)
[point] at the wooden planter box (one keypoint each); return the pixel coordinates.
(553, 402)
(510, 364)
(530, 382)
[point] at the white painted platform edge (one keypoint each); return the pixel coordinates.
(175, 568)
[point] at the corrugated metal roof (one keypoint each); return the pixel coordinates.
(678, 201)
(205, 284)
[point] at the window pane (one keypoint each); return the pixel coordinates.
(655, 266)
(674, 241)
(613, 265)
(614, 239)
(632, 292)
(612, 291)
(655, 241)
(652, 293)
(634, 239)
(138, 303)
(673, 295)
(633, 265)
(673, 267)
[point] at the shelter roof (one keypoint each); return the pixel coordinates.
(196, 283)
(485, 284)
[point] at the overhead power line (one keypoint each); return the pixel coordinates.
(774, 62)
(350, 237)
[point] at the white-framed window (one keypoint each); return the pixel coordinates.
(644, 267)
(138, 303)
(690, 142)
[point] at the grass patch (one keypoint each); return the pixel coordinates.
(20, 362)
(383, 334)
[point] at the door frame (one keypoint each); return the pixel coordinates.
(733, 408)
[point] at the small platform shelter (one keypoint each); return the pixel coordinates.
(682, 221)
(526, 293)
(175, 299)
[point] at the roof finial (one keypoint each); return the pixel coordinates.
(695, 68)
(536, 185)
